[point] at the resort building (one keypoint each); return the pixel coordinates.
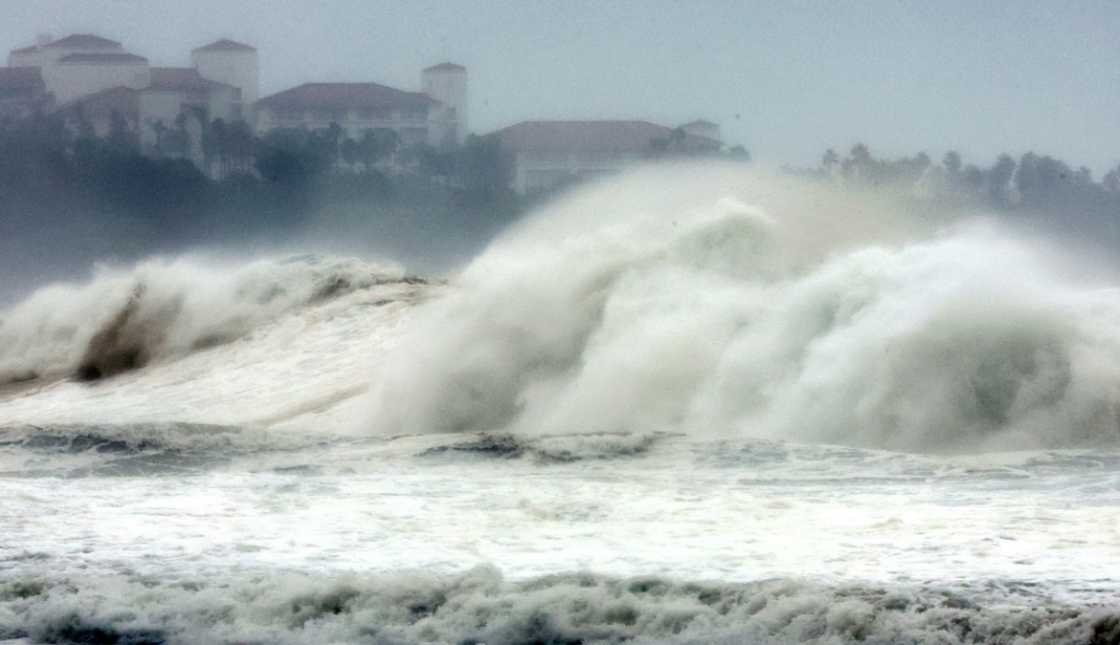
(436, 116)
(93, 82)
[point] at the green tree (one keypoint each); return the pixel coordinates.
(485, 169)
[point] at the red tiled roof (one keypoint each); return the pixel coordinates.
(20, 78)
(103, 59)
(225, 45)
(84, 41)
(181, 78)
(344, 96)
(445, 67)
(588, 136)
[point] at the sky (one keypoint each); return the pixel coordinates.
(786, 79)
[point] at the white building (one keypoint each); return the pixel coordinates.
(447, 84)
(90, 78)
(47, 51)
(82, 64)
(548, 154)
(234, 64)
(436, 116)
(76, 75)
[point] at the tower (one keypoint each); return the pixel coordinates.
(447, 83)
(232, 63)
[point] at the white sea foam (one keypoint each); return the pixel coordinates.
(480, 606)
(713, 300)
(123, 318)
(654, 365)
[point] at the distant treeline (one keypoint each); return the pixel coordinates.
(1036, 187)
(69, 197)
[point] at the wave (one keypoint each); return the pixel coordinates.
(140, 437)
(705, 300)
(123, 319)
(480, 606)
(549, 449)
(135, 449)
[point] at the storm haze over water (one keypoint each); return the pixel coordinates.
(787, 80)
(559, 323)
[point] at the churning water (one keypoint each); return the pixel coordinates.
(687, 405)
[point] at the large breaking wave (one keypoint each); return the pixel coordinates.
(717, 301)
(122, 319)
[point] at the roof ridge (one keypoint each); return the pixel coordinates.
(90, 40)
(87, 56)
(343, 93)
(225, 44)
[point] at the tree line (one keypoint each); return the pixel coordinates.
(1031, 183)
(69, 197)
(1034, 187)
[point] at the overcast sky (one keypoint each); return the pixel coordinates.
(787, 79)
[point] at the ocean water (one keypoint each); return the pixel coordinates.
(689, 405)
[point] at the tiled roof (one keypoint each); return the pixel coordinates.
(84, 41)
(20, 78)
(103, 59)
(446, 67)
(589, 136)
(344, 96)
(225, 45)
(181, 78)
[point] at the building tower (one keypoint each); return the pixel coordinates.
(232, 63)
(447, 83)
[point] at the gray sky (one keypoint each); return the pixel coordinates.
(787, 79)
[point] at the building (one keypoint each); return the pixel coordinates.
(48, 51)
(92, 81)
(234, 64)
(168, 115)
(179, 98)
(96, 112)
(437, 116)
(548, 154)
(447, 84)
(82, 64)
(22, 92)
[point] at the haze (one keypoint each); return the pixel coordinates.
(787, 80)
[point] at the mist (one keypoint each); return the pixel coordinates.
(706, 299)
(513, 322)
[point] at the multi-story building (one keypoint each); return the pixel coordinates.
(92, 80)
(548, 154)
(436, 116)
(82, 64)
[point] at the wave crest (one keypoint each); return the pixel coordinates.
(717, 301)
(123, 319)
